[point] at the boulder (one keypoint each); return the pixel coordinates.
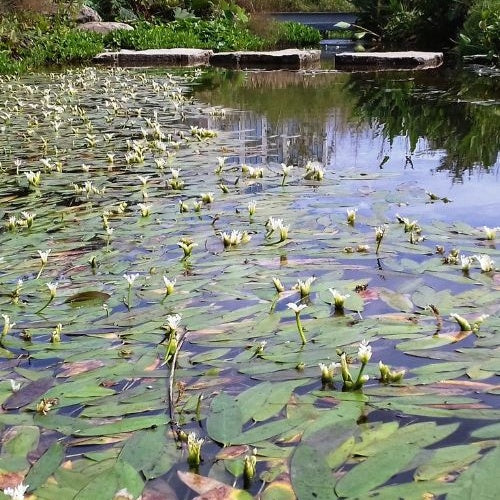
(87, 15)
(286, 59)
(104, 27)
(156, 57)
(387, 60)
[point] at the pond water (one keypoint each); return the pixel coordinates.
(145, 188)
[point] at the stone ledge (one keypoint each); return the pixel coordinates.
(104, 27)
(156, 57)
(387, 60)
(286, 59)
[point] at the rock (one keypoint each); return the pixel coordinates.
(104, 27)
(156, 57)
(387, 60)
(88, 15)
(289, 59)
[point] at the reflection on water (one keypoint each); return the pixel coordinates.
(359, 119)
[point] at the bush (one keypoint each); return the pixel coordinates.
(29, 41)
(218, 34)
(422, 23)
(481, 30)
(295, 35)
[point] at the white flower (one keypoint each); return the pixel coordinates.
(123, 494)
(296, 308)
(351, 215)
(463, 323)
(44, 256)
(490, 232)
(466, 262)
(286, 169)
(173, 321)
(145, 209)
(52, 289)
(327, 372)
(33, 178)
(278, 285)
(16, 493)
(304, 287)
(144, 179)
(207, 197)
(284, 232)
(130, 278)
(252, 205)
(175, 172)
(14, 386)
(338, 298)
(364, 352)
(486, 262)
(7, 325)
(221, 161)
(169, 285)
(273, 224)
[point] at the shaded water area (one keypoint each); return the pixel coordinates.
(145, 199)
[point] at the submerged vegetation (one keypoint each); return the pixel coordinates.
(181, 307)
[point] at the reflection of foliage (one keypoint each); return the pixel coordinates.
(278, 95)
(468, 131)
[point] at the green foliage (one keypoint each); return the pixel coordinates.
(31, 41)
(295, 35)
(481, 30)
(220, 34)
(420, 23)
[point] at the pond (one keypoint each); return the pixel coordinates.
(232, 284)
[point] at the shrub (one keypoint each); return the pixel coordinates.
(481, 30)
(28, 41)
(295, 35)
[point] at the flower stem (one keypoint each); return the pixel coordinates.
(357, 384)
(300, 329)
(40, 272)
(45, 306)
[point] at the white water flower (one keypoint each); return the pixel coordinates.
(252, 206)
(130, 278)
(327, 372)
(144, 179)
(351, 215)
(7, 325)
(278, 285)
(486, 262)
(169, 285)
(286, 169)
(123, 494)
(338, 298)
(273, 224)
(207, 197)
(364, 352)
(194, 449)
(33, 178)
(16, 493)
(173, 321)
(44, 255)
(490, 232)
(145, 209)
(52, 289)
(296, 308)
(304, 287)
(14, 386)
(284, 232)
(462, 322)
(314, 172)
(187, 247)
(466, 262)
(175, 172)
